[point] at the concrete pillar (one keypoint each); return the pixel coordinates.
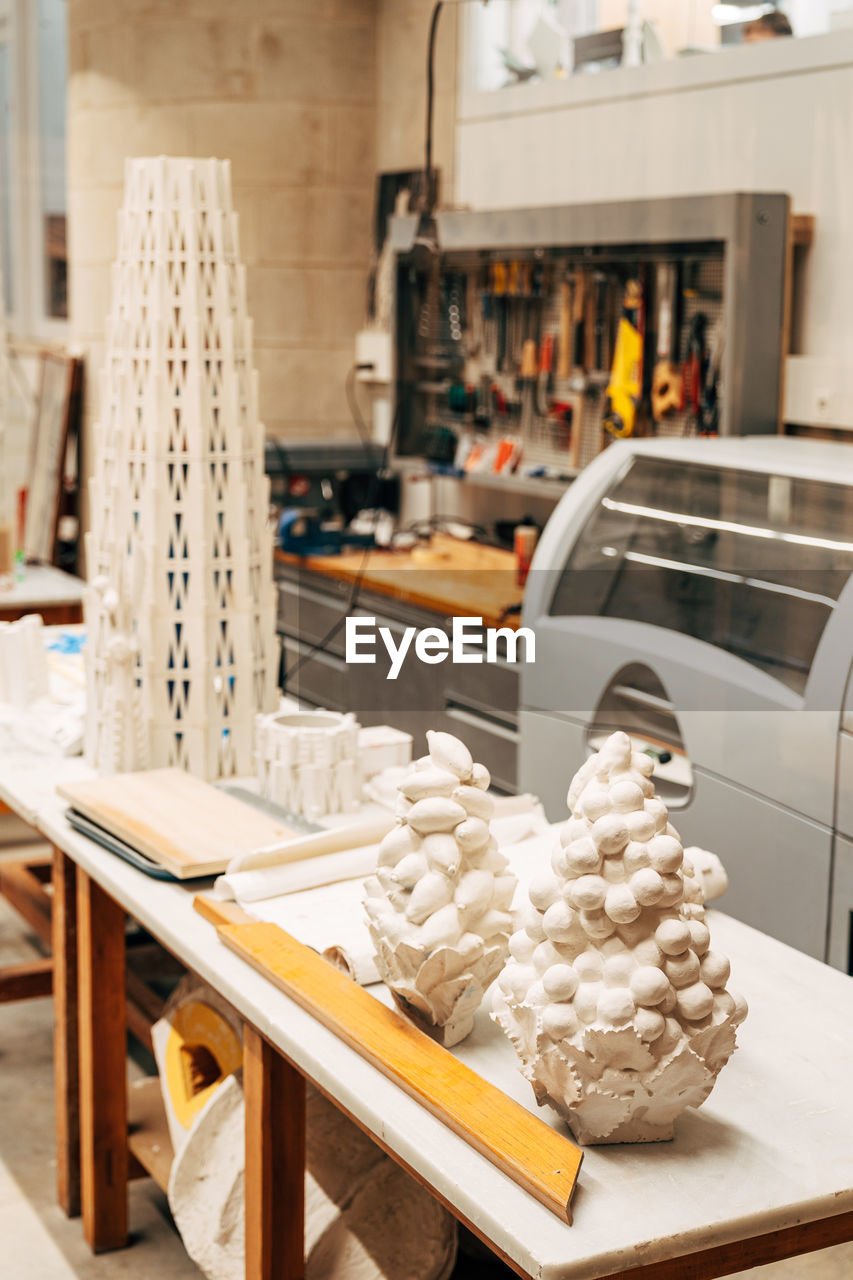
(284, 89)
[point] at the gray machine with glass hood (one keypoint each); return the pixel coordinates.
(698, 593)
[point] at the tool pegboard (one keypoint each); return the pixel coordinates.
(518, 356)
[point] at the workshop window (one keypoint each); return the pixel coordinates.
(6, 209)
(508, 42)
(51, 46)
(748, 562)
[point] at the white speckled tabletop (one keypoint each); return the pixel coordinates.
(771, 1148)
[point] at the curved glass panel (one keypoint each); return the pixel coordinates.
(751, 563)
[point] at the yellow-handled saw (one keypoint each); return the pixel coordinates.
(624, 388)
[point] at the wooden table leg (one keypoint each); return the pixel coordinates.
(274, 1093)
(65, 1051)
(103, 1066)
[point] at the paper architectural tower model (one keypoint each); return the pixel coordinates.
(24, 674)
(181, 608)
(438, 906)
(613, 999)
(307, 761)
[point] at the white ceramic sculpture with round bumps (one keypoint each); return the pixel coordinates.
(438, 906)
(613, 999)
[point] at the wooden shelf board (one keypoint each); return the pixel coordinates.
(531, 486)
(26, 981)
(802, 229)
(148, 1132)
(24, 888)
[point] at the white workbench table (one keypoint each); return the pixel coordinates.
(769, 1151)
(44, 589)
(28, 779)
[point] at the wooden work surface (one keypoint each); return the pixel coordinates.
(764, 1169)
(448, 577)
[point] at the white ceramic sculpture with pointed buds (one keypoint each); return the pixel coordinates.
(615, 1003)
(438, 906)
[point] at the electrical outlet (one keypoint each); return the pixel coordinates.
(373, 347)
(823, 404)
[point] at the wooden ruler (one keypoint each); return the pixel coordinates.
(537, 1157)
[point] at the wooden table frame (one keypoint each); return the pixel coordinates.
(89, 946)
(42, 889)
(94, 1156)
(23, 884)
(94, 1159)
(62, 614)
(26, 884)
(66, 1075)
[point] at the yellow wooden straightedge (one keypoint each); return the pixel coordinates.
(522, 1146)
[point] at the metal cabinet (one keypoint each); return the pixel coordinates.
(699, 595)
(841, 913)
(476, 702)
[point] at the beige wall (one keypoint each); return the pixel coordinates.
(286, 89)
(309, 99)
(402, 33)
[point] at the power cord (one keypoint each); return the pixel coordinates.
(427, 206)
(355, 412)
(283, 460)
(321, 645)
(428, 187)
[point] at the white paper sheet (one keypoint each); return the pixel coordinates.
(295, 877)
(329, 916)
(326, 918)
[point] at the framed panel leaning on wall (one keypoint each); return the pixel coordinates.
(58, 387)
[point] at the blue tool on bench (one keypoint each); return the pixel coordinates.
(304, 533)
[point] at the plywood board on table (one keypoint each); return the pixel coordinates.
(185, 825)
